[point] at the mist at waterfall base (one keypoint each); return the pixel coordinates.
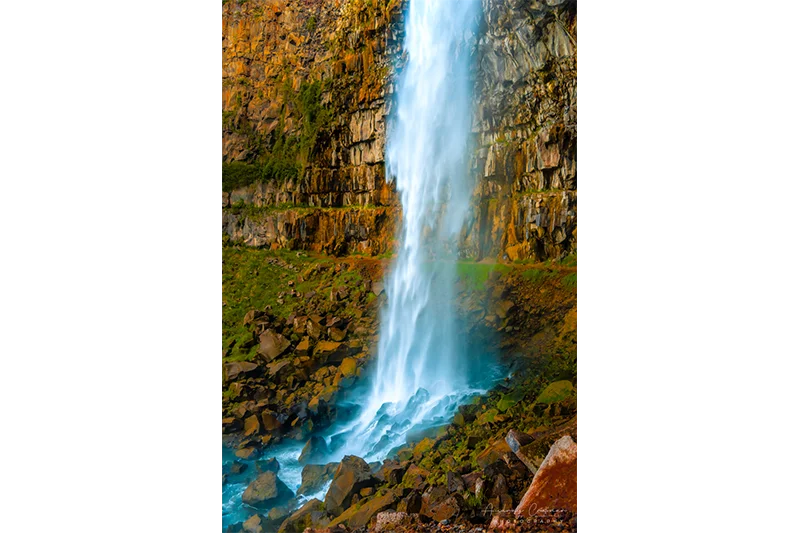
(425, 367)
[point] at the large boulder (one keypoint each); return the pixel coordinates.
(555, 485)
(312, 514)
(271, 345)
(359, 515)
(231, 371)
(521, 444)
(352, 475)
(314, 451)
(315, 476)
(266, 491)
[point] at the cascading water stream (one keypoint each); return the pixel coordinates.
(422, 371)
(420, 377)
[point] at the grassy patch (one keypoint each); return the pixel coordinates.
(475, 275)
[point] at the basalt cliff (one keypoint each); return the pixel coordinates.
(307, 99)
(309, 222)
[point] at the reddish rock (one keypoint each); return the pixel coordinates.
(555, 485)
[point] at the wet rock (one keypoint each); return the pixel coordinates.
(270, 465)
(352, 475)
(314, 450)
(314, 477)
(311, 515)
(252, 525)
(272, 345)
(247, 453)
(555, 485)
(266, 491)
(237, 467)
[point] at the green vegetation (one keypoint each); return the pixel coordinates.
(475, 275)
(311, 23)
(570, 280)
(281, 157)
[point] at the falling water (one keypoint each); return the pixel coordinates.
(422, 374)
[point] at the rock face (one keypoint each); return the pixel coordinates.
(317, 75)
(266, 491)
(352, 475)
(555, 485)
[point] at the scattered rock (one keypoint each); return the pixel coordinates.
(270, 420)
(352, 475)
(314, 450)
(231, 371)
(237, 467)
(266, 491)
(272, 345)
(315, 476)
(247, 453)
(455, 483)
(447, 509)
(360, 515)
(252, 525)
(493, 453)
(251, 426)
(555, 485)
(311, 515)
(337, 334)
(270, 465)
(412, 503)
(415, 477)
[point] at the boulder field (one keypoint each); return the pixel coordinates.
(507, 460)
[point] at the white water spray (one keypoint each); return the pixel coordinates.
(421, 375)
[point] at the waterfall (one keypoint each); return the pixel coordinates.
(421, 374)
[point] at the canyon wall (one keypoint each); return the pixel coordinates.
(307, 98)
